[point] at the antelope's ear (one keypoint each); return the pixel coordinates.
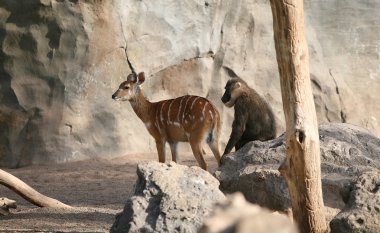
(132, 77)
(140, 78)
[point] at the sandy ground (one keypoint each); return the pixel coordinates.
(97, 188)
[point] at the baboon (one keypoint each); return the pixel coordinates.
(253, 119)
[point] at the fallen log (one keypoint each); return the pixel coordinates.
(28, 193)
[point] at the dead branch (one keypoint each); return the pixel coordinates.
(28, 193)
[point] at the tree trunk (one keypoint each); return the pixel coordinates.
(28, 193)
(301, 169)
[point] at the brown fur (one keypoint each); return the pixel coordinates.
(253, 119)
(187, 118)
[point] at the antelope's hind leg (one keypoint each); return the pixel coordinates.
(196, 141)
(213, 142)
(174, 149)
(214, 146)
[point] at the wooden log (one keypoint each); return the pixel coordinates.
(28, 193)
(301, 169)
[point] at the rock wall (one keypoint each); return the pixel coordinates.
(60, 61)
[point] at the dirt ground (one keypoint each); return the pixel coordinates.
(97, 188)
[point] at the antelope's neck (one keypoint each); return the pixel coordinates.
(141, 106)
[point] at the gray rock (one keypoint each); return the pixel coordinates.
(168, 198)
(236, 215)
(362, 211)
(346, 152)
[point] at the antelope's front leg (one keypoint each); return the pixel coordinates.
(160, 144)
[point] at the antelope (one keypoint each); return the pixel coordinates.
(188, 118)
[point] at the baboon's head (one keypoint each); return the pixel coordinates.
(233, 90)
(128, 89)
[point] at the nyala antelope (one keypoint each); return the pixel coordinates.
(187, 118)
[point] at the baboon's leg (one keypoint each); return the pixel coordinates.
(161, 150)
(240, 143)
(174, 149)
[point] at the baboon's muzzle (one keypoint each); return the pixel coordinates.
(226, 97)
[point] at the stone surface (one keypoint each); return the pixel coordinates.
(168, 198)
(6, 204)
(62, 60)
(346, 152)
(362, 210)
(57, 60)
(236, 215)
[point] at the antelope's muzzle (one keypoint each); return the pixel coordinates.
(114, 96)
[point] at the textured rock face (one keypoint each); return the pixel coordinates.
(169, 198)
(58, 58)
(236, 215)
(362, 210)
(62, 60)
(346, 152)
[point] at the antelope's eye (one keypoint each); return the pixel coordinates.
(126, 87)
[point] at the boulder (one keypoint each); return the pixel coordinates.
(346, 152)
(362, 210)
(236, 215)
(168, 198)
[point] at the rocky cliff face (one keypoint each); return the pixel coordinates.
(60, 61)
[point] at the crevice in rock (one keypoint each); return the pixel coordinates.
(343, 116)
(129, 61)
(342, 113)
(316, 83)
(153, 209)
(222, 34)
(327, 113)
(70, 127)
(209, 54)
(125, 47)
